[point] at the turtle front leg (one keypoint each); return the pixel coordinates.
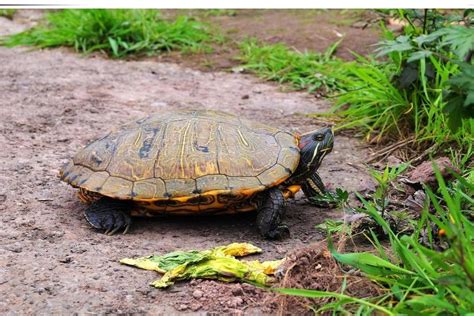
(270, 214)
(109, 215)
(313, 188)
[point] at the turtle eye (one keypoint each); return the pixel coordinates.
(318, 137)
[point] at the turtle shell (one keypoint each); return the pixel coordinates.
(176, 155)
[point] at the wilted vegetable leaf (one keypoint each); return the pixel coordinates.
(217, 263)
(166, 262)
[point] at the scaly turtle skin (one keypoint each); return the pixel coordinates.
(192, 162)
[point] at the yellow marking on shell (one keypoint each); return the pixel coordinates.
(181, 199)
(139, 135)
(210, 168)
(226, 136)
(183, 147)
(184, 199)
(242, 138)
(191, 210)
(215, 207)
(133, 173)
(249, 162)
(83, 197)
(87, 197)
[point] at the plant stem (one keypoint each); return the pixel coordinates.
(314, 293)
(425, 20)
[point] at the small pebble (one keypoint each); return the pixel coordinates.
(197, 294)
(237, 291)
(235, 301)
(182, 307)
(196, 306)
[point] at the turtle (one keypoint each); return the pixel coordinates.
(196, 162)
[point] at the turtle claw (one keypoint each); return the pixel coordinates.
(126, 228)
(124, 222)
(279, 233)
(110, 233)
(109, 216)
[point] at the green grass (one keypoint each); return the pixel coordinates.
(374, 104)
(372, 101)
(418, 280)
(367, 96)
(116, 32)
(302, 70)
(7, 13)
(421, 93)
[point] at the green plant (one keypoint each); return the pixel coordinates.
(418, 279)
(117, 32)
(7, 13)
(419, 55)
(384, 180)
(364, 307)
(339, 198)
(460, 97)
(333, 226)
(310, 71)
(369, 100)
(423, 89)
(413, 93)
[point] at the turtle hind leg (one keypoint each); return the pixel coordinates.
(109, 215)
(270, 214)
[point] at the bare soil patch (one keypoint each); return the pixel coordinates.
(309, 29)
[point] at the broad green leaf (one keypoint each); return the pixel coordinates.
(422, 39)
(469, 98)
(400, 44)
(460, 38)
(419, 55)
(369, 263)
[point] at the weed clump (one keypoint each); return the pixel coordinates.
(409, 275)
(417, 90)
(8, 13)
(308, 70)
(118, 33)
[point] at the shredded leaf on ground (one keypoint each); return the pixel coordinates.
(218, 263)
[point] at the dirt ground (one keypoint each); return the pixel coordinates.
(53, 103)
(309, 29)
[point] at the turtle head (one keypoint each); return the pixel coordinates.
(313, 147)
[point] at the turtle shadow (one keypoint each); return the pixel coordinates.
(225, 226)
(301, 219)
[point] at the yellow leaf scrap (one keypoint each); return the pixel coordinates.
(217, 263)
